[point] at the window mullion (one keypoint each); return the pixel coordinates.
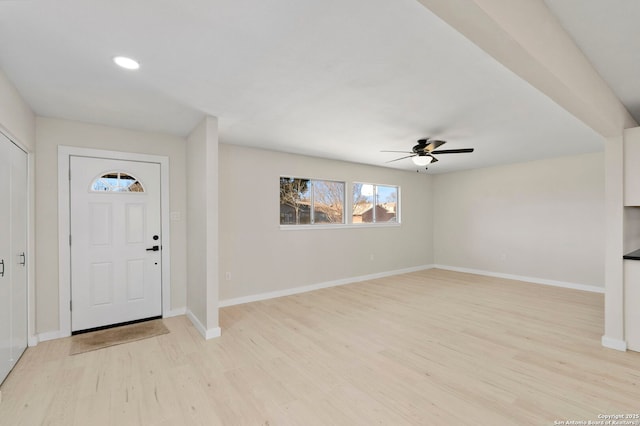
(375, 202)
(312, 218)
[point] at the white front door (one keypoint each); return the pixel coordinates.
(115, 241)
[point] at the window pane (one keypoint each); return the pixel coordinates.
(386, 203)
(116, 182)
(295, 201)
(362, 203)
(328, 201)
(129, 183)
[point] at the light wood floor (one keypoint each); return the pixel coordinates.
(428, 348)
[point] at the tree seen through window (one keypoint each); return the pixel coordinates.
(307, 201)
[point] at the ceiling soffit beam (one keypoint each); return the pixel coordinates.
(525, 37)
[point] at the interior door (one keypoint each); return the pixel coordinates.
(19, 252)
(115, 241)
(5, 256)
(13, 250)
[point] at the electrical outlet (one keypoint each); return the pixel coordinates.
(227, 276)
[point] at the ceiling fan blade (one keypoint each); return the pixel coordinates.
(433, 144)
(433, 159)
(452, 151)
(401, 152)
(402, 158)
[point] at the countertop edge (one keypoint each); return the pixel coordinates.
(634, 255)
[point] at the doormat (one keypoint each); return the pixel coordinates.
(116, 336)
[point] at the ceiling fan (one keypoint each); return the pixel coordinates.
(422, 153)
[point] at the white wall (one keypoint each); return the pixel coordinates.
(543, 219)
(53, 132)
(16, 118)
(202, 219)
(197, 223)
(614, 242)
(547, 217)
(263, 258)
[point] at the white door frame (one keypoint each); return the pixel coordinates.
(64, 225)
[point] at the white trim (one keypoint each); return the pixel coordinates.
(534, 280)
(174, 313)
(340, 226)
(318, 286)
(334, 283)
(52, 335)
(64, 251)
(33, 340)
(619, 345)
(207, 334)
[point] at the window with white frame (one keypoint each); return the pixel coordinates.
(311, 201)
(375, 203)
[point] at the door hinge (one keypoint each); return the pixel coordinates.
(70, 305)
(69, 239)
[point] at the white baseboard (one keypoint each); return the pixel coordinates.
(617, 344)
(327, 284)
(52, 335)
(175, 312)
(212, 333)
(33, 341)
(206, 333)
(563, 284)
(318, 286)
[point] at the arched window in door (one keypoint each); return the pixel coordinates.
(117, 182)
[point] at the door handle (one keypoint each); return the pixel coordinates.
(154, 248)
(24, 259)
(2, 264)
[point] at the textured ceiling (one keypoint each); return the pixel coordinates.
(608, 32)
(337, 79)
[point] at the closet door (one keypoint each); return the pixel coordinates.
(18, 252)
(13, 250)
(5, 256)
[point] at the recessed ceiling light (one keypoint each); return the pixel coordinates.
(126, 63)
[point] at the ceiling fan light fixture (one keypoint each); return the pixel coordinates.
(421, 160)
(422, 153)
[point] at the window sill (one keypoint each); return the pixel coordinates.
(339, 226)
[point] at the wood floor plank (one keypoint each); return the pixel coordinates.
(428, 348)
